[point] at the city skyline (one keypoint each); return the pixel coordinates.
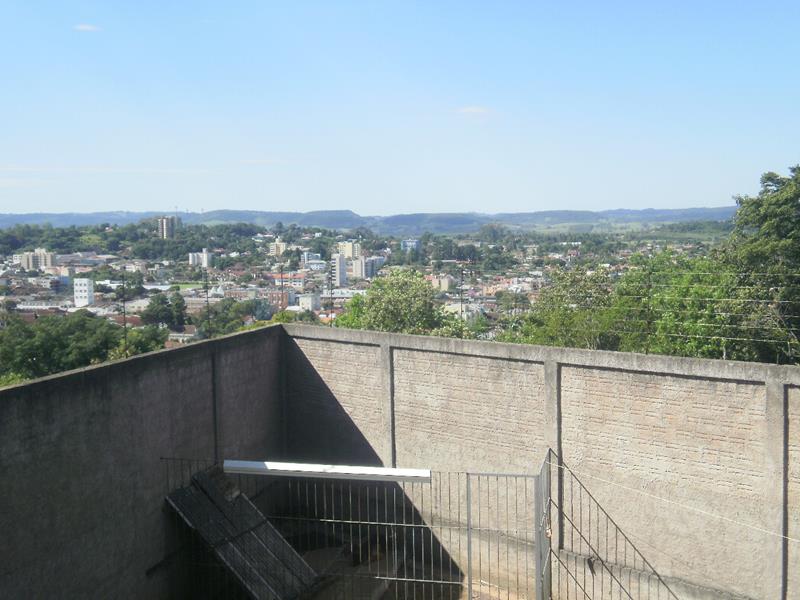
(392, 109)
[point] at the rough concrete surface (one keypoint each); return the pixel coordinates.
(699, 460)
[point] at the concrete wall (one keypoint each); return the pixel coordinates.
(82, 504)
(793, 490)
(679, 451)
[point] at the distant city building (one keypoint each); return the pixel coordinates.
(277, 248)
(339, 270)
(167, 227)
(306, 257)
(279, 298)
(409, 245)
(379, 261)
(37, 260)
(200, 259)
(366, 268)
(317, 265)
(47, 282)
(443, 283)
(83, 292)
(309, 301)
(350, 249)
(359, 268)
(136, 266)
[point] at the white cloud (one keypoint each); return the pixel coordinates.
(86, 27)
(473, 110)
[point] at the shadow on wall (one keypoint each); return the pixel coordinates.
(318, 428)
(356, 535)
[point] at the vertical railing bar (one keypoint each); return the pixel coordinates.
(517, 536)
(431, 531)
(527, 541)
(488, 534)
(469, 537)
(537, 511)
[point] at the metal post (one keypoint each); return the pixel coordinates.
(469, 538)
(538, 541)
(124, 315)
(208, 306)
(282, 297)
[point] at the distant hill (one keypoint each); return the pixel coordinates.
(409, 224)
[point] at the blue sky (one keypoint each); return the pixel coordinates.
(391, 107)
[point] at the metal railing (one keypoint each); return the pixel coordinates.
(459, 536)
(595, 558)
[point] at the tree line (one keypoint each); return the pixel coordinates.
(741, 301)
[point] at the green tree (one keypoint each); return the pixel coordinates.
(574, 311)
(178, 308)
(158, 312)
(288, 316)
(7, 379)
(764, 252)
(54, 343)
(766, 234)
(403, 302)
(145, 339)
(353, 315)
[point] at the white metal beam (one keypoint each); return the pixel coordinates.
(358, 473)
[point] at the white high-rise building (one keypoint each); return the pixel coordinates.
(200, 259)
(83, 292)
(339, 270)
(350, 249)
(37, 260)
(167, 227)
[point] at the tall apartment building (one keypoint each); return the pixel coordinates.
(277, 248)
(366, 268)
(167, 227)
(339, 270)
(83, 292)
(350, 249)
(37, 260)
(409, 245)
(200, 259)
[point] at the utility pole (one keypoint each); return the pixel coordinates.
(208, 306)
(124, 316)
(461, 295)
(282, 298)
(330, 295)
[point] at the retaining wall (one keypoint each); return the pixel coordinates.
(82, 511)
(680, 452)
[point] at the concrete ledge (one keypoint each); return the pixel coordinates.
(603, 359)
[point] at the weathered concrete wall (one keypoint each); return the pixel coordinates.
(698, 442)
(82, 508)
(695, 459)
(334, 394)
(493, 410)
(793, 491)
(699, 461)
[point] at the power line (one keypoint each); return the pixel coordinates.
(675, 502)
